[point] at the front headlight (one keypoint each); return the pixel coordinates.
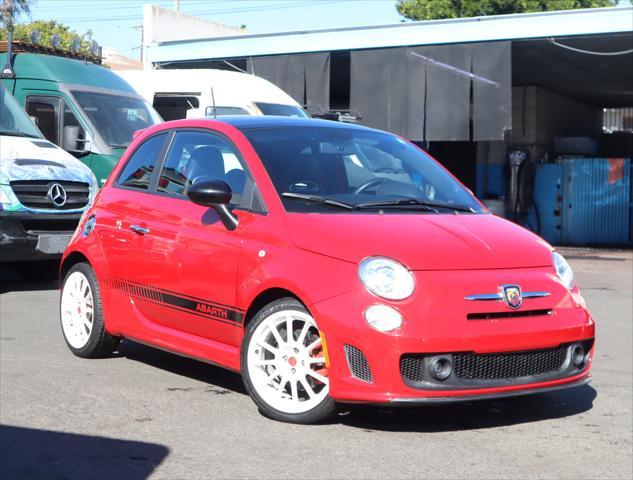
(563, 270)
(94, 187)
(386, 278)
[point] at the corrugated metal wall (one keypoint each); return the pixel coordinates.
(585, 201)
(596, 201)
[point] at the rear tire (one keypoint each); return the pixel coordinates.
(81, 314)
(287, 378)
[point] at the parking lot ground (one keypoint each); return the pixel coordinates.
(146, 413)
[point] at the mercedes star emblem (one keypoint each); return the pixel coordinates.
(57, 195)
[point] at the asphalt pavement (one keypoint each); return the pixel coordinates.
(145, 413)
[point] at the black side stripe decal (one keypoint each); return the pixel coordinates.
(184, 303)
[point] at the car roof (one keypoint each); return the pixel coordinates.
(248, 122)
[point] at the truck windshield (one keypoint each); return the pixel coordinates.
(116, 117)
(14, 120)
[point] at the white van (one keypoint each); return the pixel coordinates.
(43, 189)
(178, 94)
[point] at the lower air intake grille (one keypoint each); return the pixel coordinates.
(509, 365)
(358, 363)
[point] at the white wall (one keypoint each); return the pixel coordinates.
(163, 25)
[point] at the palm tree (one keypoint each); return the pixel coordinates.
(9, 11)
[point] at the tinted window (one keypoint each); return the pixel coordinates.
(354, 166)
(281, 110)
(200, 156)
(174, 107)
(47, 117)
(220, 111)
(138, 170)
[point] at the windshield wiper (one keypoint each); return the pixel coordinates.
(13, 133)
(318, 199)
(415, 202)
(117, 145)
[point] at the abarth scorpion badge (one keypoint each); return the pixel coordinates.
(512, 296)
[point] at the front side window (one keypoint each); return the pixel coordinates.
(140, 166)
(13, 120)
(200, 156)
(355, 170)
(116, 117)
(54, 117)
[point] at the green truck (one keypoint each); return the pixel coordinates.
(83, 107)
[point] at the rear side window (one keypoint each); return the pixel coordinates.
(140, 166)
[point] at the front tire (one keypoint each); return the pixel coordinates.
(283, 364)
(81, 314)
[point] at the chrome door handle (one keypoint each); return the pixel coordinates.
(138, 229)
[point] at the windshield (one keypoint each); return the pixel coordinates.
(116, 117)
(281, 110)
(327, 170)
(14, 120)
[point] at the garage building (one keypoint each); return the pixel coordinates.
(533, 112)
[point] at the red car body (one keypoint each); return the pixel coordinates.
(190, 287)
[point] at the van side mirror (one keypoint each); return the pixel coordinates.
(71, 139)
(217, 195)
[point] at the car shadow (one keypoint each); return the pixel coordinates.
(219, 380)
(428, 419)
(36, 276)
(30, 453)
(472, 415)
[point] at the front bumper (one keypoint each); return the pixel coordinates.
(439, 325)
(26, 237)
(407, 402)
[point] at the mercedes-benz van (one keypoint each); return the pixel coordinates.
(195, 93)
(82, 107)
(43, 189)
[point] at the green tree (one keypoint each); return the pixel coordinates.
(47, 28)
(435, 9)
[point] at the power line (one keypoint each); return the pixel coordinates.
(207, 12)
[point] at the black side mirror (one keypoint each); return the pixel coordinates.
(217, 195)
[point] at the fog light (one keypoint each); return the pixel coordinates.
(441, 368)
(578, 356)
(383, 318)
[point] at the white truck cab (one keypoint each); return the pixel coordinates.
(43, 189)
(178, 94)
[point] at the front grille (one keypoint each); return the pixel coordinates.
(412, 368)
(358, 363)
(498, 368)
(49, 225)
(34, 194)
(509, 365)
(515, 314)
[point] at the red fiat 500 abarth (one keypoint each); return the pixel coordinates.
(327, 263)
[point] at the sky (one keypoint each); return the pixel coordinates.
(115, 23)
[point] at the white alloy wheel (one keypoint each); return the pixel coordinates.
(286, 363)
(77, 310)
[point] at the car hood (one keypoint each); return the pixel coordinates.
(421, 241)
(38, 159)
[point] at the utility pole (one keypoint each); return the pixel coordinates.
(142, 46)
(177, 5)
